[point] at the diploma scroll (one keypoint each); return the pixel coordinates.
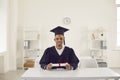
(59, 65)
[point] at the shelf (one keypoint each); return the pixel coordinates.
(29, 64)
(102, 64)
(31, 35)
(95, 49)
(29, 59)
(98, 40)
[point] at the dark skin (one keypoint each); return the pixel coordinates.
(59, 40)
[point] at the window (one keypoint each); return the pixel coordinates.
(118, 22)
(3, 37)
(117, 1)
(3, 26)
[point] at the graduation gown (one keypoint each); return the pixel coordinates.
(51, 56)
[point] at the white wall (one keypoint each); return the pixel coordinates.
(4, 64)
(13, 18)
(86, 15)
(114, 58)
(8, 58)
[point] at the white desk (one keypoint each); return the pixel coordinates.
(86, 74)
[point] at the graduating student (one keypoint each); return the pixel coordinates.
(59, 56)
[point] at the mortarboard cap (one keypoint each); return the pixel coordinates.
(59, 30)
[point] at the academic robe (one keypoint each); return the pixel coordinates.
(51, 56)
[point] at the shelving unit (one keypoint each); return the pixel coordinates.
(31, 48)
(98, 46)
(97, 52)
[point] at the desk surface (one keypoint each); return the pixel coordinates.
(87, 73)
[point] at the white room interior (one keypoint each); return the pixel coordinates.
(40, 16)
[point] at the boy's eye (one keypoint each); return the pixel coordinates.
(59, 39)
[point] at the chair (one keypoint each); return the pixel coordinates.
(88, 62)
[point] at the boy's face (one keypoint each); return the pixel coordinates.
(59, 39)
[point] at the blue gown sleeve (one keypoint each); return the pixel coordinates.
(45, 59)
(73, 60)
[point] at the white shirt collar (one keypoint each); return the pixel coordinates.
(60, 50)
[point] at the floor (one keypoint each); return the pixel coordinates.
(15, 75)
(12, 75)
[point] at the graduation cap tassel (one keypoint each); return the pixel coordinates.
(64, 41)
